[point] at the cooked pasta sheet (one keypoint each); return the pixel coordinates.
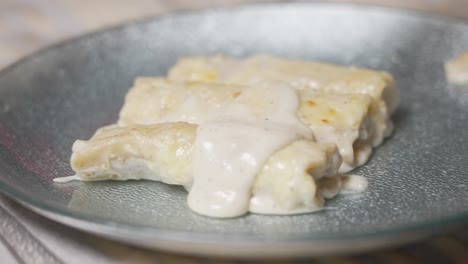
(350, 121)
(308, 75)
(261, 134)
(297, 178)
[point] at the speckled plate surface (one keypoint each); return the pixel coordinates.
(418, 177)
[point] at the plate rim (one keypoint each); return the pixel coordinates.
(245, 248)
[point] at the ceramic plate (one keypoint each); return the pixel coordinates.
(418, 178)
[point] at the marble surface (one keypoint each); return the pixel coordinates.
(28, 25)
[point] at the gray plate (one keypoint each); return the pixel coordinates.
(418, 178)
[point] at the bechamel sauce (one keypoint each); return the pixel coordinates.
(67, 179)
(351, 184)
(230, 149)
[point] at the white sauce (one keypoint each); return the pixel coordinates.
(351, 183)
(67, 179)
(230, 149)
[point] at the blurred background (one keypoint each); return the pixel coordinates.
(28, 25)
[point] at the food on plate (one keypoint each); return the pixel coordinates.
(456, 69)
(296, 178)
(351, 121)
(263, 134)
(300, 74)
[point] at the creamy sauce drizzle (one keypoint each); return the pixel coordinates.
(351, 184)
(231, 148)
(67, 179)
